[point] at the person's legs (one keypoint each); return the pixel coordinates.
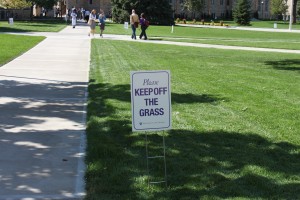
(102, 27)
(142, 33)
(133, 36)
(145, 35)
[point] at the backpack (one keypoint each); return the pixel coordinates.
(147, 23)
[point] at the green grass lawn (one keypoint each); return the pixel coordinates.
(235, 128)
(14, 45)
(216, 36)
(270, 24)
(257, 24)
(33, 26)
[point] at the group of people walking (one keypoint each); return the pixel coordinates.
(93, 19)
(135, 21)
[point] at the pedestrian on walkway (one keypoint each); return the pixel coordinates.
(74, 17)
(144, 26)
(92, 23)
(82, 10)
(134, 22)
(102, 19)
(68, 16)
(87, 15)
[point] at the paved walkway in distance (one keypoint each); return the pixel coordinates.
(42, 122)
(157, 40)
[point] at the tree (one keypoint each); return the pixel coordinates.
(195, 6)
(295, 11)
(121, 9)
(17, 4)
(48, 4)
(278, 7)
(298, 10)
(156, 11)
(242, 12)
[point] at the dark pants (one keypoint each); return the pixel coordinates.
(143, 33)
(133, 36)
(86, 18)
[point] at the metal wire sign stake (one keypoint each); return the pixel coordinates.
(151, 107)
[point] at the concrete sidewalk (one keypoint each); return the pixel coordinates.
(42, 122)
(157, 40)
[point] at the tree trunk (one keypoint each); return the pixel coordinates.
(295, 12)
(31, 12)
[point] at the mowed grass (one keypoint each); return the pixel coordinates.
(258, 24)
(270, 24)
(224, 36)
(235, 128)
(14, 45)
(33, 26)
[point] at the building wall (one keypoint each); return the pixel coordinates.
(223, 9)
(214, 9)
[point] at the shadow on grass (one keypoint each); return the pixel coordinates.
(288, 64)
(13, 29)
(215, 164)
(230, 164)
(122, 93)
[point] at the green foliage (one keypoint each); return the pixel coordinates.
(195, 6)
(18, 4)
(48, 4)
(242, 12)
(121, 9)
(278, 7)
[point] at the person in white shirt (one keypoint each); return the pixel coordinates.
(74, 16)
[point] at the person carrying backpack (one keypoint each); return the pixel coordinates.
(144, 25)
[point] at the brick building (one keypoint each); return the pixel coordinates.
(221, 9)
(89, 5)
(213, 9)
